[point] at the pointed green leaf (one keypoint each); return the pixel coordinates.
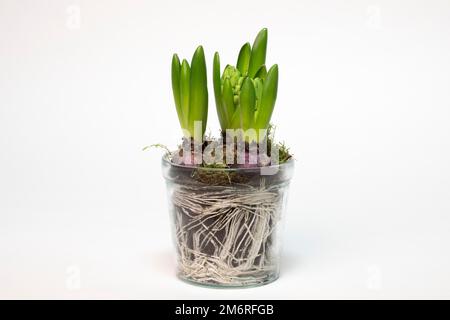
(247, 102)
(198, 97)
(261, 73)
(269, 96)
(185, 79)
(221, 111)
(244, 59)
(258, 56)
(176, 87)
(227, 99)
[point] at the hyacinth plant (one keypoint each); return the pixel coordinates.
(226, 214)
(245, 97)
(245, 94)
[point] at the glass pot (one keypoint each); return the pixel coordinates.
(226, 222)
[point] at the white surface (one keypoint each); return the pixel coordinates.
(364, 103)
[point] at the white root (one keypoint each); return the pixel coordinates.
(225, 234)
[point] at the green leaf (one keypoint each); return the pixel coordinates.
(236, 120)
(176, 87)
(244, 59)
(261, 73)
(198, 98)
(258, 56)
(185, 79)
(221, 110)
(258, 91)
(268, 98)
(228, 100)
(247, 102)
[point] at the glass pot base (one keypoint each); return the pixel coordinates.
(254, 284)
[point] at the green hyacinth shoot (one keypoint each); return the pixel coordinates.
(190, 92)
(245, 94)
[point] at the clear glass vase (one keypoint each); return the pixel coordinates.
(226, 222)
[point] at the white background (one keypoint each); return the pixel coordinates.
(364, 104)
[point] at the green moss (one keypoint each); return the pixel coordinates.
(283, 153)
